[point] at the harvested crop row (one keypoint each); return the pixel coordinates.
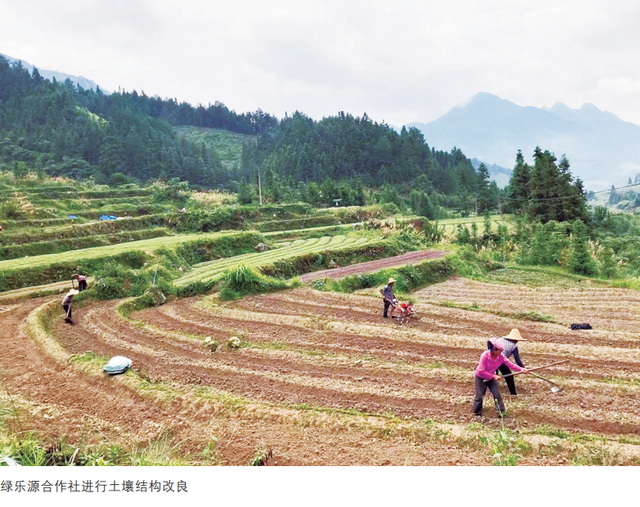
(280, 376)
(65, 404)
(420, 341)
(573, 404)
(604, 308)
(69, 403)
(311, 358)
(434, 318)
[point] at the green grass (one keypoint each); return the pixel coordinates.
(65, 245)
(534, 276)
(74, 231)
(241, 280)
(409, 278)
(551, 276)
(551, 431)
(166, 256)
(107, 251)
(209, 271)
(227, 145)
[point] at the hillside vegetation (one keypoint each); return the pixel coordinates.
(227, 145)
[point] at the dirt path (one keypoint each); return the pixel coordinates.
(372, 266)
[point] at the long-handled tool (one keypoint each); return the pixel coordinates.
(537, 368)
(67, 319)
(556, 387)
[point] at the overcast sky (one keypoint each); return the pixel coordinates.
(399, 61)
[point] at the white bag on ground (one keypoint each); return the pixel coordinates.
(117, 365)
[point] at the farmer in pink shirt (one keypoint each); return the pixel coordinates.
(486, 376)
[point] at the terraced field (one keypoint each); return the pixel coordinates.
(94, 253)
(449, 225)
(321, 378)
(208, 271)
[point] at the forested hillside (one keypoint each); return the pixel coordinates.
(60, 129)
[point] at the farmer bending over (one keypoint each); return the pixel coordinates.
(389, 299)
(486, 377)
(66, 305)
(82, 282)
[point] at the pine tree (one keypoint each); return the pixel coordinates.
(581, 261)
(518, 191)
(246, 193)
(608, 265)
(484, 190)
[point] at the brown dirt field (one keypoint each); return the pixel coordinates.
(322, 379)
(372, 266)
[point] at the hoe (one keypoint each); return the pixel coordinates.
(556, 387)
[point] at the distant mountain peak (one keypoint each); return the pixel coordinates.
(558, 106)
(602, 149)
(486, 96)
(587, 106)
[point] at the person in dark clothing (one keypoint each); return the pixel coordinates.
(66, 305)
(389, 299)
(82, 282)
(511, 350)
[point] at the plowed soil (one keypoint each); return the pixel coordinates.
(323, 379)
(373, 266)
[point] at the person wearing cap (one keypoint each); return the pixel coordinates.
(485, 374)
(389, 299)
(66, 305)
(511, 350)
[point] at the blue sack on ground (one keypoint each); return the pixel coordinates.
(117, 365)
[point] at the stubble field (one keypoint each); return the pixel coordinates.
(321, 379)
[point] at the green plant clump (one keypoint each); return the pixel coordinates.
(409, 278)
(242, 280)
(506, 449)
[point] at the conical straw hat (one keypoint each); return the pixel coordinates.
(515, 336)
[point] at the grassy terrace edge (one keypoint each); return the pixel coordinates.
(25, 272)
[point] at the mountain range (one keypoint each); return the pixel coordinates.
(603, 150)
(59, 76)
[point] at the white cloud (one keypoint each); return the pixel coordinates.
(399, 61)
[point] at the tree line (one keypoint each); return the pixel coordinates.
(61, 129)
